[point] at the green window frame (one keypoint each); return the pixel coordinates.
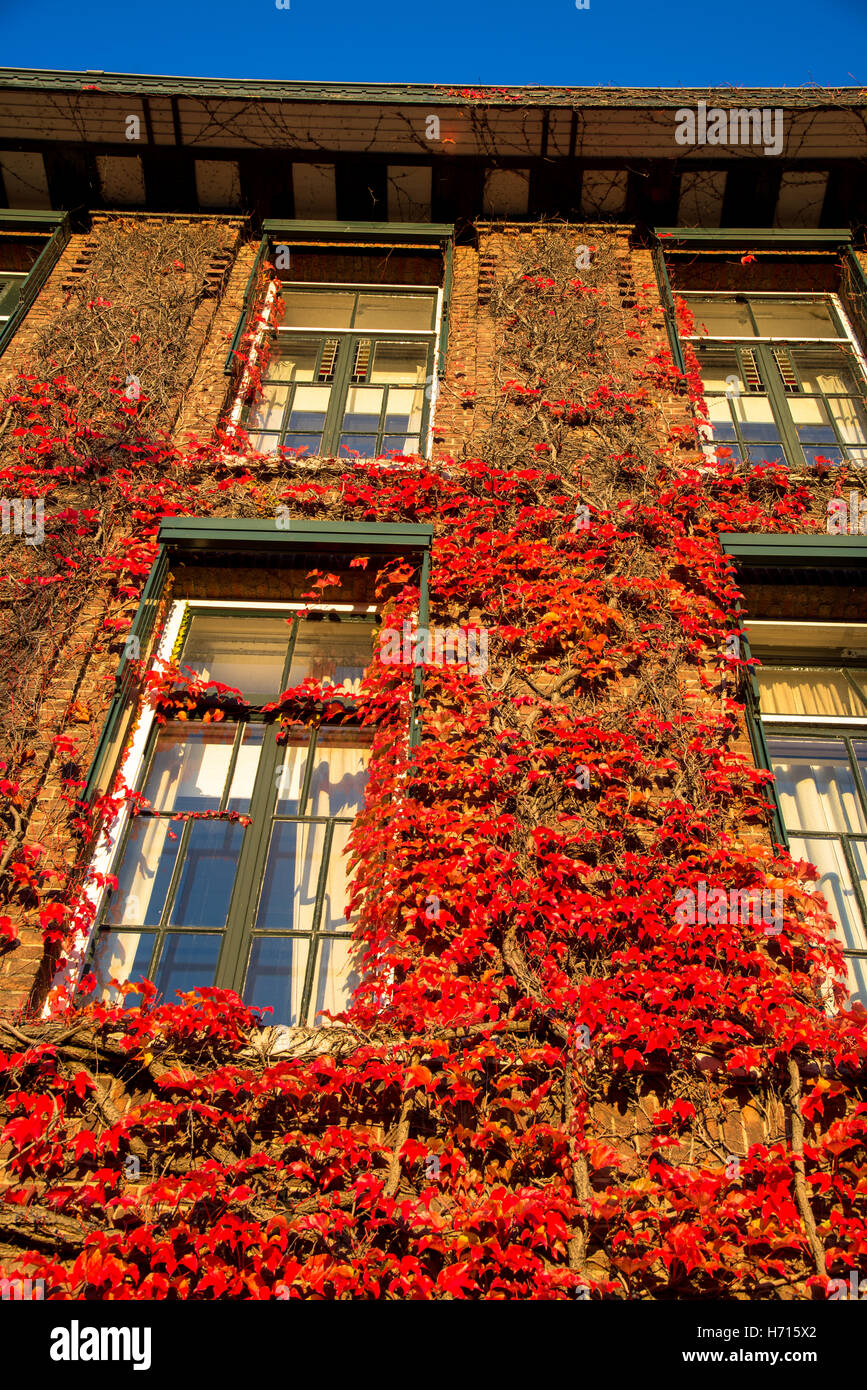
(18, 289)
(339, 392)
(837, 742)
(215, 860)
(778, 398)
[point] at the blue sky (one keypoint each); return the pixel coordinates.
(614, 42)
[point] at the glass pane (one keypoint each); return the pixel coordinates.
(318, 308)
(309, 408)
(363, 408)
(720, 318)
(144, 877)
(248, 652)
(857, 979)
(830, 370)
(794, 318)
(10, 292)
(400, 443)
(189, 767)
(358, 445)
(309, 445)
(399, 364)
(851, 419)
(815, 785)
(859, 746)
(766, 453)
(394, 312)
(122, 956)
(824, 454)
(267, 413)
(403, 410)
(290, 775)
(291, 877)
(275, 977)
(336, 896)
(756, 418)
(717, 365)
(790, 690)
(720, 416)
(337, 978)
(187, 961)
(293, 359)
(207, 874)
(811, 418)
(834, 883)
(339, 772)
(334, 653)
(859, 854)
(264, 443)
(246, 765)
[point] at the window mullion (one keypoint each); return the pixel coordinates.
(779, 405)
(231, 967)
(315, 935)
(339, 390)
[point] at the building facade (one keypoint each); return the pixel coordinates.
(434, 551)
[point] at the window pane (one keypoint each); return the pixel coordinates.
(339, 772)
(293, 359)
(815, 785)
(857, 981)
(787, 690)
(403, 410)
(208, 874)
(144, 877)
(859, 854)
(264, 443)
(10, 292)
(309, 408)
(720, 416)
(811, 418)
(246, 765)
(361, 445)
(400, 443)
(851, 419)
(399, 364)
(825, 454)
(756, 418)
(189, 767)
(248, 653)
(720, 318)
(334, 653)
(187, 961)
(766, 453)
(794, 318)
(363, 408)
(275, 977)
(716, 366)
(308, 445)
(834, 883)
(394, 312)
(291, 877)
(290, 775)
(830, 370)
(122, 956)
(337, 977)
(336, 897)
(318, 308)
(267, 414)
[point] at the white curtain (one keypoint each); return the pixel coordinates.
(786, 690)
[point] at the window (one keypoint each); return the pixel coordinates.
(813, 709)
(232, 868)
(782, 376)
(202, 897)
(30, 243)
(11, 283)
(349, 373)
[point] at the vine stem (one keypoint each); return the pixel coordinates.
(801, 1195)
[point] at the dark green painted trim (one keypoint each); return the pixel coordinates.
(667, 297)
(793, 551)
(204, 533)
(358, 232)
(757, 236)
(41, 268)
